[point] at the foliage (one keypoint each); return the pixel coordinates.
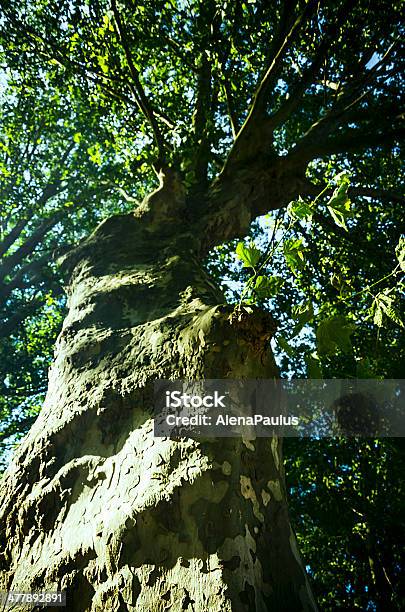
(334, 318)
(53, 191)
(97, 97)
(349, 519)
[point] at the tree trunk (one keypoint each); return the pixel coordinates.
(95, 505)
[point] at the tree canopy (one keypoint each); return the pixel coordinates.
(288, 112)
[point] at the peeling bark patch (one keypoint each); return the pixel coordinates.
(248, 444)
(226, 468)
(275, 489)
(210, 529)
(265, 497)
(275, 453)
(248, 492)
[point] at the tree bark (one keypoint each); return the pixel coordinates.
(95, 505)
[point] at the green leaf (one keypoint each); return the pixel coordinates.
(283, 344)
(303, 314)
(102, 63)
(248, 255)
(339, 217)
(400, 253)
(95, 154)
(393, 315)
(294, 253)
(334, 334)
(300, 209)
(339, 197)
(378, 316)
(384, 304)
(266, 287)
(339, 203)
(313, 367)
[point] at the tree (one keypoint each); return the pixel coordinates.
(57, 184)
(348, 520)
(191, 523)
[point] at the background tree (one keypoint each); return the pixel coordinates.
(348, 521)
(58, 167)
(316, 77)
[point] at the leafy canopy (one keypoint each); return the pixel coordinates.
(290, 109)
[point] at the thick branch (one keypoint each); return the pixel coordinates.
(233, 119)
(208, 25)
(247, 142)
(261, 94)
(270, 183)
(291, 104)
(13, 235)
(346, 108)
(201, 117)
(49, 191)
(29, 245)
(235, 199)
(351, 140)
(256, 133)
(321, 130)
(138, 91)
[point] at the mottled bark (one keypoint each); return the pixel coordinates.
(93, 503)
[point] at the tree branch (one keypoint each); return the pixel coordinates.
(29, 245)
(246, 142)
(49, 191)
(13, 235)
(100, 78)
(233, 119)
(32, 241)
(137, 89)
(319, 131)
(200, 117)
(8, 326)
(280, 116)
(235, 199)
(352, 140)
(283, 40)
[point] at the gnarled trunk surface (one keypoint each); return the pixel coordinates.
(95, 505)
